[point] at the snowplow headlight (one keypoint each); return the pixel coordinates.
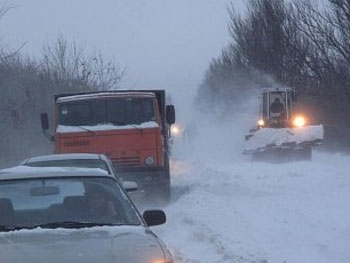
(149, 160)
(162, 261)
(299, 121)
(261, 123)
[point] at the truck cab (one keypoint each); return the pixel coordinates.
(131, 127)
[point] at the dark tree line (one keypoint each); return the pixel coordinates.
(27, 87)
(296, 44)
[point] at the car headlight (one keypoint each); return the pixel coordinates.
(149, 160)
(299, 121)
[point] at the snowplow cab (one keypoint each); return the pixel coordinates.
(277, 107)
(280, 132)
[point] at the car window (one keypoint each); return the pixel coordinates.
(26, 195)
(36, 202)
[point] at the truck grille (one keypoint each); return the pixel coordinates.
(124, 162)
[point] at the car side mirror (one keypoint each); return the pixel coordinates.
(170, 114)
(154, 217)
(130, 186)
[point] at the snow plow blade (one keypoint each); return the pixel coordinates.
(272, 139)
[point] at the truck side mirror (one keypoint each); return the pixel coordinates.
(44, 121)
(45, 126)
(170, 114)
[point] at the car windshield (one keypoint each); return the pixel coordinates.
(64, 202)
(117, 111)
(88, 163)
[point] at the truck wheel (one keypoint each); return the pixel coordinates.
(166, 191)
(165, 194)
(160, 195)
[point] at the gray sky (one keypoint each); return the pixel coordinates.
(161, 43)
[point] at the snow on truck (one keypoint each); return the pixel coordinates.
(281, 133)
(131, 127)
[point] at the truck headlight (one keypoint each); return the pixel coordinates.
(149, 160)
(175, 130)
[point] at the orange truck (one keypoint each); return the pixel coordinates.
(131, 127)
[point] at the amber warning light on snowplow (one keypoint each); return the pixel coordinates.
(162, 261)
(299, 121)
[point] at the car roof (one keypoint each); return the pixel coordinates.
(65, 156)
(25, 172)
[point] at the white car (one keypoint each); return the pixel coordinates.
(87, 160)
(74, 215)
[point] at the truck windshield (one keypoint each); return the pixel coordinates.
(116, 111)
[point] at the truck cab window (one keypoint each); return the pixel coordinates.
(83, 113)
(130, 111)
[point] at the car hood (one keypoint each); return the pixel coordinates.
(124, 244)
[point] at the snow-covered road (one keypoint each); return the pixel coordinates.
(241, 211)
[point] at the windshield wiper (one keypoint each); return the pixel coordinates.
(73, 224)
(119, 123)
(86, 129)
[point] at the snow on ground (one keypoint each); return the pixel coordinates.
(227, 209)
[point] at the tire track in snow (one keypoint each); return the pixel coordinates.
(188, 189)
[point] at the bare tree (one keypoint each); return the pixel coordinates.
(27, 88)
(106, 75)
(328, 33)
(259, 37)
(5, 54)
(67, 62)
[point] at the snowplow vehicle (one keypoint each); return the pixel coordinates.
(281, 132)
